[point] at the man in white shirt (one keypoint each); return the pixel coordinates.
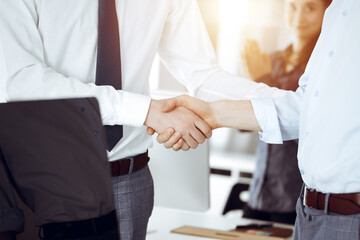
(51, 52)
(324, 115)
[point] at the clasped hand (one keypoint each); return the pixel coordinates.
(182, 122)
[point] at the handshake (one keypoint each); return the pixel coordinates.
(184, 122)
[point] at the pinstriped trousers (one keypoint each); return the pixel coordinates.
(134, 199)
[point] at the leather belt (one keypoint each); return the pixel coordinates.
(345, 204)
(122, 166)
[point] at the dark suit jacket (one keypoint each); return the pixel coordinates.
(53, 153)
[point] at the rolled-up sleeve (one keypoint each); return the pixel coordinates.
(266, 115)
(279, 117)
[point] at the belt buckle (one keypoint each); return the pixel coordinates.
(305, 193)
(312, 190)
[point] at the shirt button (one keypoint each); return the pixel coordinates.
(302, 172)
(316, 93)
(96, 133)
(82, 109)
(307, 133)
(345, 13)
(331, 53)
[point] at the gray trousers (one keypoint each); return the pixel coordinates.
(134, 199)
(313, 224)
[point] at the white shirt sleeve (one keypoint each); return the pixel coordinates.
(279, 117)
(30, 77)
(187, 52)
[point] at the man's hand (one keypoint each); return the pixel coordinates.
(201, 108)
(188, 125)
(169, 137)
(226, 113)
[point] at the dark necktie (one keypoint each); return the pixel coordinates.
(108, 69)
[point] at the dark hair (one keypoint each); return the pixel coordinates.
(303, 56)
(327, 2)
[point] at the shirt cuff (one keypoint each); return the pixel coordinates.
(11, 220)
(134, 109)
(266, 115)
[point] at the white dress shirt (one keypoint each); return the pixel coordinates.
(324, 112)
(50, 52)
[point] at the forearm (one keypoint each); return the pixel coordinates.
(235, 114)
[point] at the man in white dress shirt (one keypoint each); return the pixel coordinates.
(324, 115)
(51, 52)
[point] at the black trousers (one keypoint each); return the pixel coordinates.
(53, 154)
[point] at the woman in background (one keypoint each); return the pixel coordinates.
(277, 182)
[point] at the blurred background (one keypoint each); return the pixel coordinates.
(229, 24)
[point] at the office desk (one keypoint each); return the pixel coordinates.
(163, 220)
